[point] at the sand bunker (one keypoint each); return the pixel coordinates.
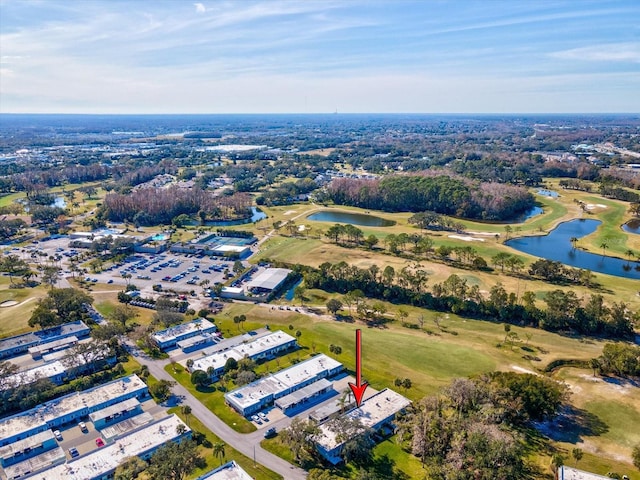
(592, 206)
(484, 234)
(523, 370)
(9, 303)
(289, 212)
(466, 238)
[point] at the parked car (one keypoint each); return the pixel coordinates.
(83, 427)
(99, 442)
(73, 451)
(270, 433)
(57, 434)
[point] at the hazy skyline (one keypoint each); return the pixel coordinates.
(319, 56)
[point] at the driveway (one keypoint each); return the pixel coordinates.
(247, 444)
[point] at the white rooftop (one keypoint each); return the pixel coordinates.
(231, 248)
(282, 381)
(197, 325)
(251, 349)
(568, 473)
(44, 347)
(32, 441)
(269, 279)
(374, 410)
(106, 459)
(69, 403)
(128, 404)
(47, 370)
(228, 471)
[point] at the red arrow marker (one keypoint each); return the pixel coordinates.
(359, 388)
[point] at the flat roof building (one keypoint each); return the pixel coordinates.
(267, 346)
(45, 348)
(255, 396)
(71, 407)
(59, 370)
(100, 464)
(228, 471)
(20, 344)
(268, 280)
(568, 473)
(374, 413)
(168, 338)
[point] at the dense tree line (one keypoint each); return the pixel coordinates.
(439, 193)
(619, 359)
(61, 305)
(564, 312)
(471, 429)
(11, 227)
(153, 206)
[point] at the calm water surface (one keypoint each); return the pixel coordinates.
(352, 218)
(557, 246)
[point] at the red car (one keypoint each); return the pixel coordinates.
(99, 442)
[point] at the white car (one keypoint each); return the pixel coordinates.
(57, 434)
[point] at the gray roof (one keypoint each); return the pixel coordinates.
(269, 279)
(302, 394)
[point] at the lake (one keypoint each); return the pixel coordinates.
(547, 193)
(349, 217)
(557, 246)
(255, 216)
(532, 212)
(632, 226)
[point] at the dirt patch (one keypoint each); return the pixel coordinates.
(9, 303)
(466, 238)
(289, 212)
(523, 370)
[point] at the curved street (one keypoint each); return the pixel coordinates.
(247, 444)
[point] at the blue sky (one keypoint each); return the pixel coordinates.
(428, 56)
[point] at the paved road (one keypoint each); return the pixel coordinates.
(248, 444)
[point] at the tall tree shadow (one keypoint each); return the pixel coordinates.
(572, 424)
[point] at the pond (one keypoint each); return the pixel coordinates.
(350, 217)
(557, 246)
(547, 193)
(289, 294)
(255, 216)
(57, 202)
(532, 212)
(632, 226)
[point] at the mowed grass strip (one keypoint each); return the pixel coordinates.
(256, 471)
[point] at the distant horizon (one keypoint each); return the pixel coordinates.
(506, 114)
(314, 56)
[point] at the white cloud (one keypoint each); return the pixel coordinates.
(200, 8)
(612, 52)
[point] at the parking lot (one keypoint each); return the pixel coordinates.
(180, 272)
(175, 271)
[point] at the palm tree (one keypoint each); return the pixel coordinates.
(186, 411)
(574, 241)
(629, 253)
(218, 451)
(577, 454)
(604, 246)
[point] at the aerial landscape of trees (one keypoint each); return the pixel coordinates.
(440, 193)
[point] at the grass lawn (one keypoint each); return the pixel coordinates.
(431, 361)
(14, 320)
(257, 472)
(213, 399)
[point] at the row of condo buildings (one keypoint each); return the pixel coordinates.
(31, 442)
(49, 354)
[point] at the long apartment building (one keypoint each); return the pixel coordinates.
(307, 375)
(374, 413)
(265, 347)
(70, 408)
